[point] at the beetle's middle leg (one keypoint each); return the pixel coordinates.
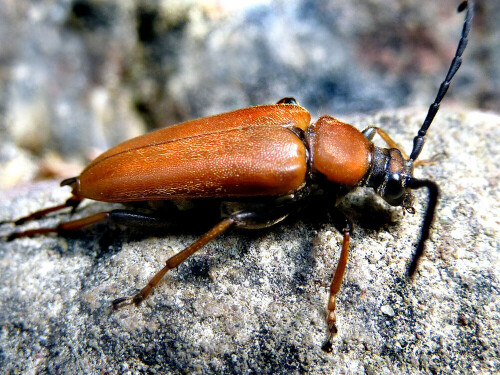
(337, 279)
(241, 219)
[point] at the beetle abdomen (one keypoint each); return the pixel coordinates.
(196, 159)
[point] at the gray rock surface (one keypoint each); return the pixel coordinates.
(76, 76)
(254, 302)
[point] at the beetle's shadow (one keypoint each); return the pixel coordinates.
(107, 238)
(369, 210)
(365, 208)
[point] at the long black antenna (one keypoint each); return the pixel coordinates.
(433, 190)
(418, 141)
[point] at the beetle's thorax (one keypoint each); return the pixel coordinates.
(339, 152)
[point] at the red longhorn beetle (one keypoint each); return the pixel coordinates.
(258, 164)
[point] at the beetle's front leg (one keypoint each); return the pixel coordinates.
(370, 132)
(337, 279)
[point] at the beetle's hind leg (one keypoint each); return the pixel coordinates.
(72, 202)
(124, 217)
(63, 228)
(240, 219)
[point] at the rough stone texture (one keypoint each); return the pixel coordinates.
(254, 302)
(76, 76)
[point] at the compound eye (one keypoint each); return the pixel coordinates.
(393, 188)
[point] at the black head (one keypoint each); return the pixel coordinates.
(389, 176)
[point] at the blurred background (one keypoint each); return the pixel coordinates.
(79, 76)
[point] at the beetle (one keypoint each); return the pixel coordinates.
(258, 164)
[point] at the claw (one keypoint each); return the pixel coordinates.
(125, 301)
(121, 302)
(327, 347)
